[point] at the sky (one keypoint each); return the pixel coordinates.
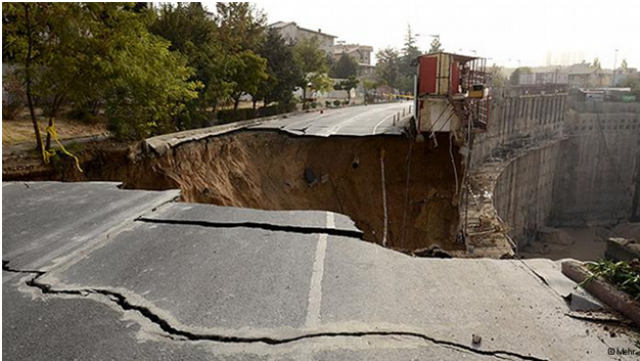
(509, 33)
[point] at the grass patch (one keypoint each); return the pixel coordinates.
(625, 275)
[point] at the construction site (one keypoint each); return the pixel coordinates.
(510, 179)
(517, 171)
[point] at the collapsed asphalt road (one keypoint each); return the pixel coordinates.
(94, 272)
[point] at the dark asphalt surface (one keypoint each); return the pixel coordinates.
(229, 288)
(43, 221)
(300, 220)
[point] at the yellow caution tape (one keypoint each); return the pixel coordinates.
(47, 154)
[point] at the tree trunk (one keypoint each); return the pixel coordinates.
(27, 66)
(57, 102)
(236, 102)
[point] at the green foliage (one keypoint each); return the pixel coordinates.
(624, 275)
(283, 72)
(240, 26)
(344, 68)
(313, 64)
(436, 46)
(596, 63)
(194, 33)
(624, 66)
(347, 85)
(14, 96)
(634, 84)
(336, 103)
(407, 68)
(388, 68)
(320, 82)
(249, 71)
(498, 80)
(514, 78)
(149, 84)
(229, 115)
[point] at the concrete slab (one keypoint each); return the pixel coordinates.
(299, 221)
(174, 288)
(500, 300)
(46, 220)
(37, 327)
(550, 273)
(204, 277)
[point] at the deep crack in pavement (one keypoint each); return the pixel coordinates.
(183, 335)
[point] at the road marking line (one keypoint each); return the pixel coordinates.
(382, 121)
(334, 129)
(315, 289)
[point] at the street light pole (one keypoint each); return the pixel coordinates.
(613, 76)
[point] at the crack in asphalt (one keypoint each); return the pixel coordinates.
(258, 225)
(183, 335)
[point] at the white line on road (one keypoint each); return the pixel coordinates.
(315, 289)
(382, 121)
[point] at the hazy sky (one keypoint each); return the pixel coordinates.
(497, 29)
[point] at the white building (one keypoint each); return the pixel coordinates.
(291, 32)
(357, 52)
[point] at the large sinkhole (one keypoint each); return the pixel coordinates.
(375, 180)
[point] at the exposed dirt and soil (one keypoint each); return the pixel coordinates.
(582, 243)
(277, 171)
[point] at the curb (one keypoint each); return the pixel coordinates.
(603, 291)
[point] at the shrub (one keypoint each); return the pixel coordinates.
(228, 115)
(314, 105)
(327, 103)
(13, 97)
(345, 102)
(336, 102)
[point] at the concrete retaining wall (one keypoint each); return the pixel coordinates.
(598, 165)
(523, 196)
(587, 172)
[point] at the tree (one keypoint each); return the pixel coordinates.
(624, 66)
(347, 85)
(498, 80)
(148, 85)
(249, 71)
(283, 72)
(436, 46)
(194, 33)
(410, 52)
(55, 47)
(240, 26)
(344, 68)
(241, 30)
(313, 63)
(388, 67)
(514, 78)
(596, 63)
(25, 42)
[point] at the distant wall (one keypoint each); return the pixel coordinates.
(516, 120)
(523, 196)
(568, 163)
(598, 164)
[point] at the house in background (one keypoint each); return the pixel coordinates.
(291, 32)
(360, 53)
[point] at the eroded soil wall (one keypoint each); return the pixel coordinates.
(276, 171)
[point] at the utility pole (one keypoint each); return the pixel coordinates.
(613, 76)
